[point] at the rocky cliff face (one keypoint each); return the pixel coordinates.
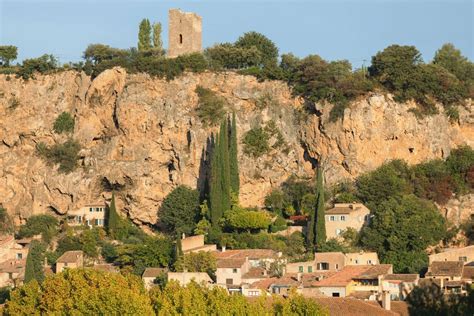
(142, 136)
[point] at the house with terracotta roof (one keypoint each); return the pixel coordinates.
(150, 274)
(400, 285)
(195, 244)
(184, 278)
(70, 260)
(449, 274)
(243, 266)
(356, 278)
(465, 255)
(352, 307)
(345, 215)
(12, 249)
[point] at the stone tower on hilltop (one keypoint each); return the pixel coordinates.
(184, 33)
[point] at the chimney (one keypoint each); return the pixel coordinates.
(183, 236)
(298, 276)
(223, 248)
(386, 300)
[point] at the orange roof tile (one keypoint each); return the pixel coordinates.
(252, 254)
(352, 307)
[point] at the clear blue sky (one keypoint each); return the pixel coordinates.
(353, 30)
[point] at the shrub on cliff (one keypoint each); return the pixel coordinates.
(228, 56)
(211, 108)
(42, 65)
(46, 225)
(64, 123)
(65, 154)
(266, 47)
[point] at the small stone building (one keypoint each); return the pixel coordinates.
(70, 260)
(150, 274)
(184, 33)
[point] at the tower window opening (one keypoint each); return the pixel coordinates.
(181, 38)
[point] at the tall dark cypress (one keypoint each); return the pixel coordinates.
(34, 263)
(320, 212)
(113, 220)
(224, 166)
(215, 194)
(234, 163)
(316, 235)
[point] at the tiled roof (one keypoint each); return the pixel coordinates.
(70, 256)
(13, 266)
(468, 273)
(375, 271)
(252, 254)
(289, 279)
(6, 239)
(401, 277)
(308, 279)
(153, 272)
(448, 268)
(429, 282)
(399, 307)
(345, 208)
(106, 267)
(352, 307)
(361, 295)
(255, 273)
(230, 263)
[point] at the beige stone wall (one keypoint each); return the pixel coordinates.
(222, 274)
(184, 33)
(189, 243)
(60, 266)
(295, 267)
(94, 218)
(335, 225)
(454, 255)
(336, 260)
(362, 258)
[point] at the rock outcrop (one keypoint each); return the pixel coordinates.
(142, 137)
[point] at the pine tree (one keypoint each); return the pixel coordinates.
(113, 219)
(144, 35)
(157, 42)
(34, 262)
(316, 235)
(234, 164)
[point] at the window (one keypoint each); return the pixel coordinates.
(310, 269)
(335, 294)
(79, 219)
(253, 293)
(181, 38)
(19, 256)
(463, 259)
(91, 209)
(367, 218)
(343, 218)
(356, 261)
(369, 261)
(229, 281)
(332, 218)
(322, 266)
(338, 231)
(301, 269)
(234, 270)
(337, 266)
(88, 222)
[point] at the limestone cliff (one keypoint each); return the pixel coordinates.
(142, 135)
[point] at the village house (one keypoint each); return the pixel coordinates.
(352, 307)
(89, 215)
(11, 249)
(184, 278)
(343, 216)
(356, 278)
(400, 285)
(195, 244)
(150, 274)
(238, 266)
(70, 260)
(448, 275)
(12, 272)
(333, 261)
(465, 255)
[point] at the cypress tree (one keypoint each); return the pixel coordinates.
(34, 262)
(234, 164)
(215, 194)
(113, 219)
(157, 42)
(316, 235)
(144, 35)
(320, 211)
(225, 167)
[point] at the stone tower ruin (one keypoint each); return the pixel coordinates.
(184, 33)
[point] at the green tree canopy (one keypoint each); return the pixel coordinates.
(46, 225)
(451, 58)
(97, 53)
(202, 261)
(7, 54)
(81, 291)
(64, 123)
(401, 229)
(266, 47)
(180, 210)
(157, 42)
(240, 219)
